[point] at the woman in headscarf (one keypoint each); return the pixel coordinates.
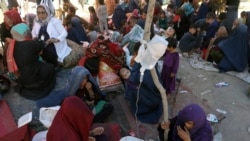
(36, 78)
(189, 125)
(145, 95)
(73, 122)
(68, 81)
(50, 31)
(213, 53)
(235, 49)
(91, 94)
(11, 18)
(76, 31)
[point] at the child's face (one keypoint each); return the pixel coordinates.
(143, 16)
(209, 20)
(192, 30)
(170, 32)
(170, 49)
(124, 73)
(162, 15)
(189, 125)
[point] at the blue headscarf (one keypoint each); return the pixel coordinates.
(235, 50)
(20, 32)
(77, 33)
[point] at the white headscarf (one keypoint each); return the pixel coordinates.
(49, 14)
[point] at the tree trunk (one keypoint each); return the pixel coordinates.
(157, 83)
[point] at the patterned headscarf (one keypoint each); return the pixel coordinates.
(20, 32)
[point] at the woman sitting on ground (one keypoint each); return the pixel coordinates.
(235, 49)
(213, 52)
(50, 31)
(91, 94)
(73, 122)
(189, 125)
(11, 18)
(36, 78)
(76, 31)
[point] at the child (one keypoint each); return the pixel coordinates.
(170, 32)
(92, 34)
(102, 16)
(243, 17)
(170, 66)
(124, 73)
(91, 94)
(211, 29)
(93, 20)
(190, 41)
(163, 21)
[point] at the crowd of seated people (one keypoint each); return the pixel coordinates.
(52, 65)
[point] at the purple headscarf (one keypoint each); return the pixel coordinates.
(201, 130)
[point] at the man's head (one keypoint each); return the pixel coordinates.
(192, 29)
(144, 15)
(210, 18)
(71, 10)
(172, 43)
(132, 21)
(243, 14)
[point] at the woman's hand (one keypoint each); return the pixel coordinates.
(184, 135)
(8, 39)
(165, 124)
(90, 103)
(88, 86)
(97, 131)
(91, 139)
(52, 40)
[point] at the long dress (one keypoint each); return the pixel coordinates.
(37, 78)
(149, 100)
(72, 122)
(201, 130)
(170, 65)
(77, 33)
(236, 51)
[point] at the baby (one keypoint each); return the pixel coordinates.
(124, 73)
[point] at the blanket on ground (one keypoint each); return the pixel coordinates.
(197, 63)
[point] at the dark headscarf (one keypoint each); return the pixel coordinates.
(201, 129)
(76, 33)
(235, 50)
(72, 122)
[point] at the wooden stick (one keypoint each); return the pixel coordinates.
(146, 37)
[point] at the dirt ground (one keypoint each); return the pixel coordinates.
(232, 99)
